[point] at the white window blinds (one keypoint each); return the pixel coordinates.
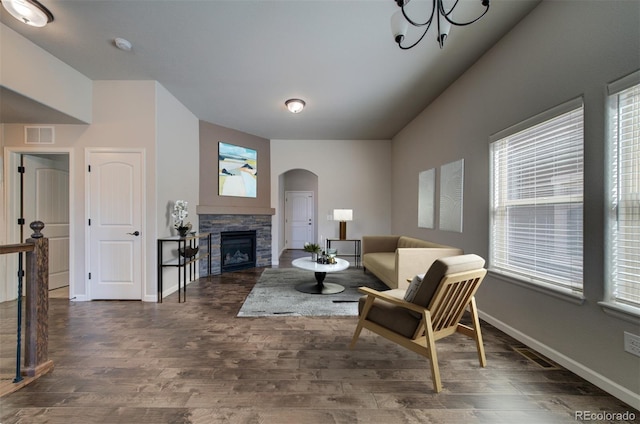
(537, 199)
(624, 218)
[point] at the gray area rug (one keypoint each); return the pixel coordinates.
(275, 294)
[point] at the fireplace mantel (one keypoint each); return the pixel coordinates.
(233, 210)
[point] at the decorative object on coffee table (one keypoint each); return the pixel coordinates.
(313, 248)
(331, 255)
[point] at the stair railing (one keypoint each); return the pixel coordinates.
(36, 304)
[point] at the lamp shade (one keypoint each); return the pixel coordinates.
(444, 26)
(399, 26)
(342, 215)
(30, 12)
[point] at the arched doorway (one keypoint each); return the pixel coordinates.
(298, 197)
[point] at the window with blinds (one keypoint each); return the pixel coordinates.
(537, 199)
(624, 176)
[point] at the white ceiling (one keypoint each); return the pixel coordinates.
(235, 62)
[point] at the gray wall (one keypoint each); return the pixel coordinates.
(562, 50)
(352, 174)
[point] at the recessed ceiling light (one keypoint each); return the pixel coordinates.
(295, 105)
(30, 12)
(122, 44)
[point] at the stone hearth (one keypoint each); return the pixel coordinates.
(216, 224)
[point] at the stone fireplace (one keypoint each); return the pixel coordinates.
(217, 224)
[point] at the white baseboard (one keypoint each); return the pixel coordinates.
(146, 298)
(276, 261)
(80, 298)
(606, 384)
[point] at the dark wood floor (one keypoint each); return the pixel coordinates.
(195, 362)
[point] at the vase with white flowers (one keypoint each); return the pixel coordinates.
(179, 214)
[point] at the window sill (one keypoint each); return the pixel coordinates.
(557, 292)
(623, 312)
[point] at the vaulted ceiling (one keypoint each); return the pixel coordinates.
(234, 63)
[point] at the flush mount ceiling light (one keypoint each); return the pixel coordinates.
(295, 105)
(30, 12)
(441, 12)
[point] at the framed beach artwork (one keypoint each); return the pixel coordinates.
(237, 171)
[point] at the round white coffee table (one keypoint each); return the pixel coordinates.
(320, 287)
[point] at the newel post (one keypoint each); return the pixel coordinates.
(36, 352)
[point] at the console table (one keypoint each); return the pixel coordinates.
(181, 262)
(356, 248)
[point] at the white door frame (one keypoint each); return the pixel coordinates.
(12, 208)
(143, 226)
(40, 201)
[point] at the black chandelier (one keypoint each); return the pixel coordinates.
(440, 13)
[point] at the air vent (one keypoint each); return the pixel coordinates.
(38, 135)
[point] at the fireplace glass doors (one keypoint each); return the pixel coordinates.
(237, 250)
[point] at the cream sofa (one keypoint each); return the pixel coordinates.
(396, 259)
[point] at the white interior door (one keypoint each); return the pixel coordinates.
(116, 257)
(299, 219)
(46, 199)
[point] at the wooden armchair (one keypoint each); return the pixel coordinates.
(429, 310)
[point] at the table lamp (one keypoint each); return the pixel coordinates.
(343, 215)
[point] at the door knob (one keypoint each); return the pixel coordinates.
(135, 233)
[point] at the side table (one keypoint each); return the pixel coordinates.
(182, 262)
(356, 248)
